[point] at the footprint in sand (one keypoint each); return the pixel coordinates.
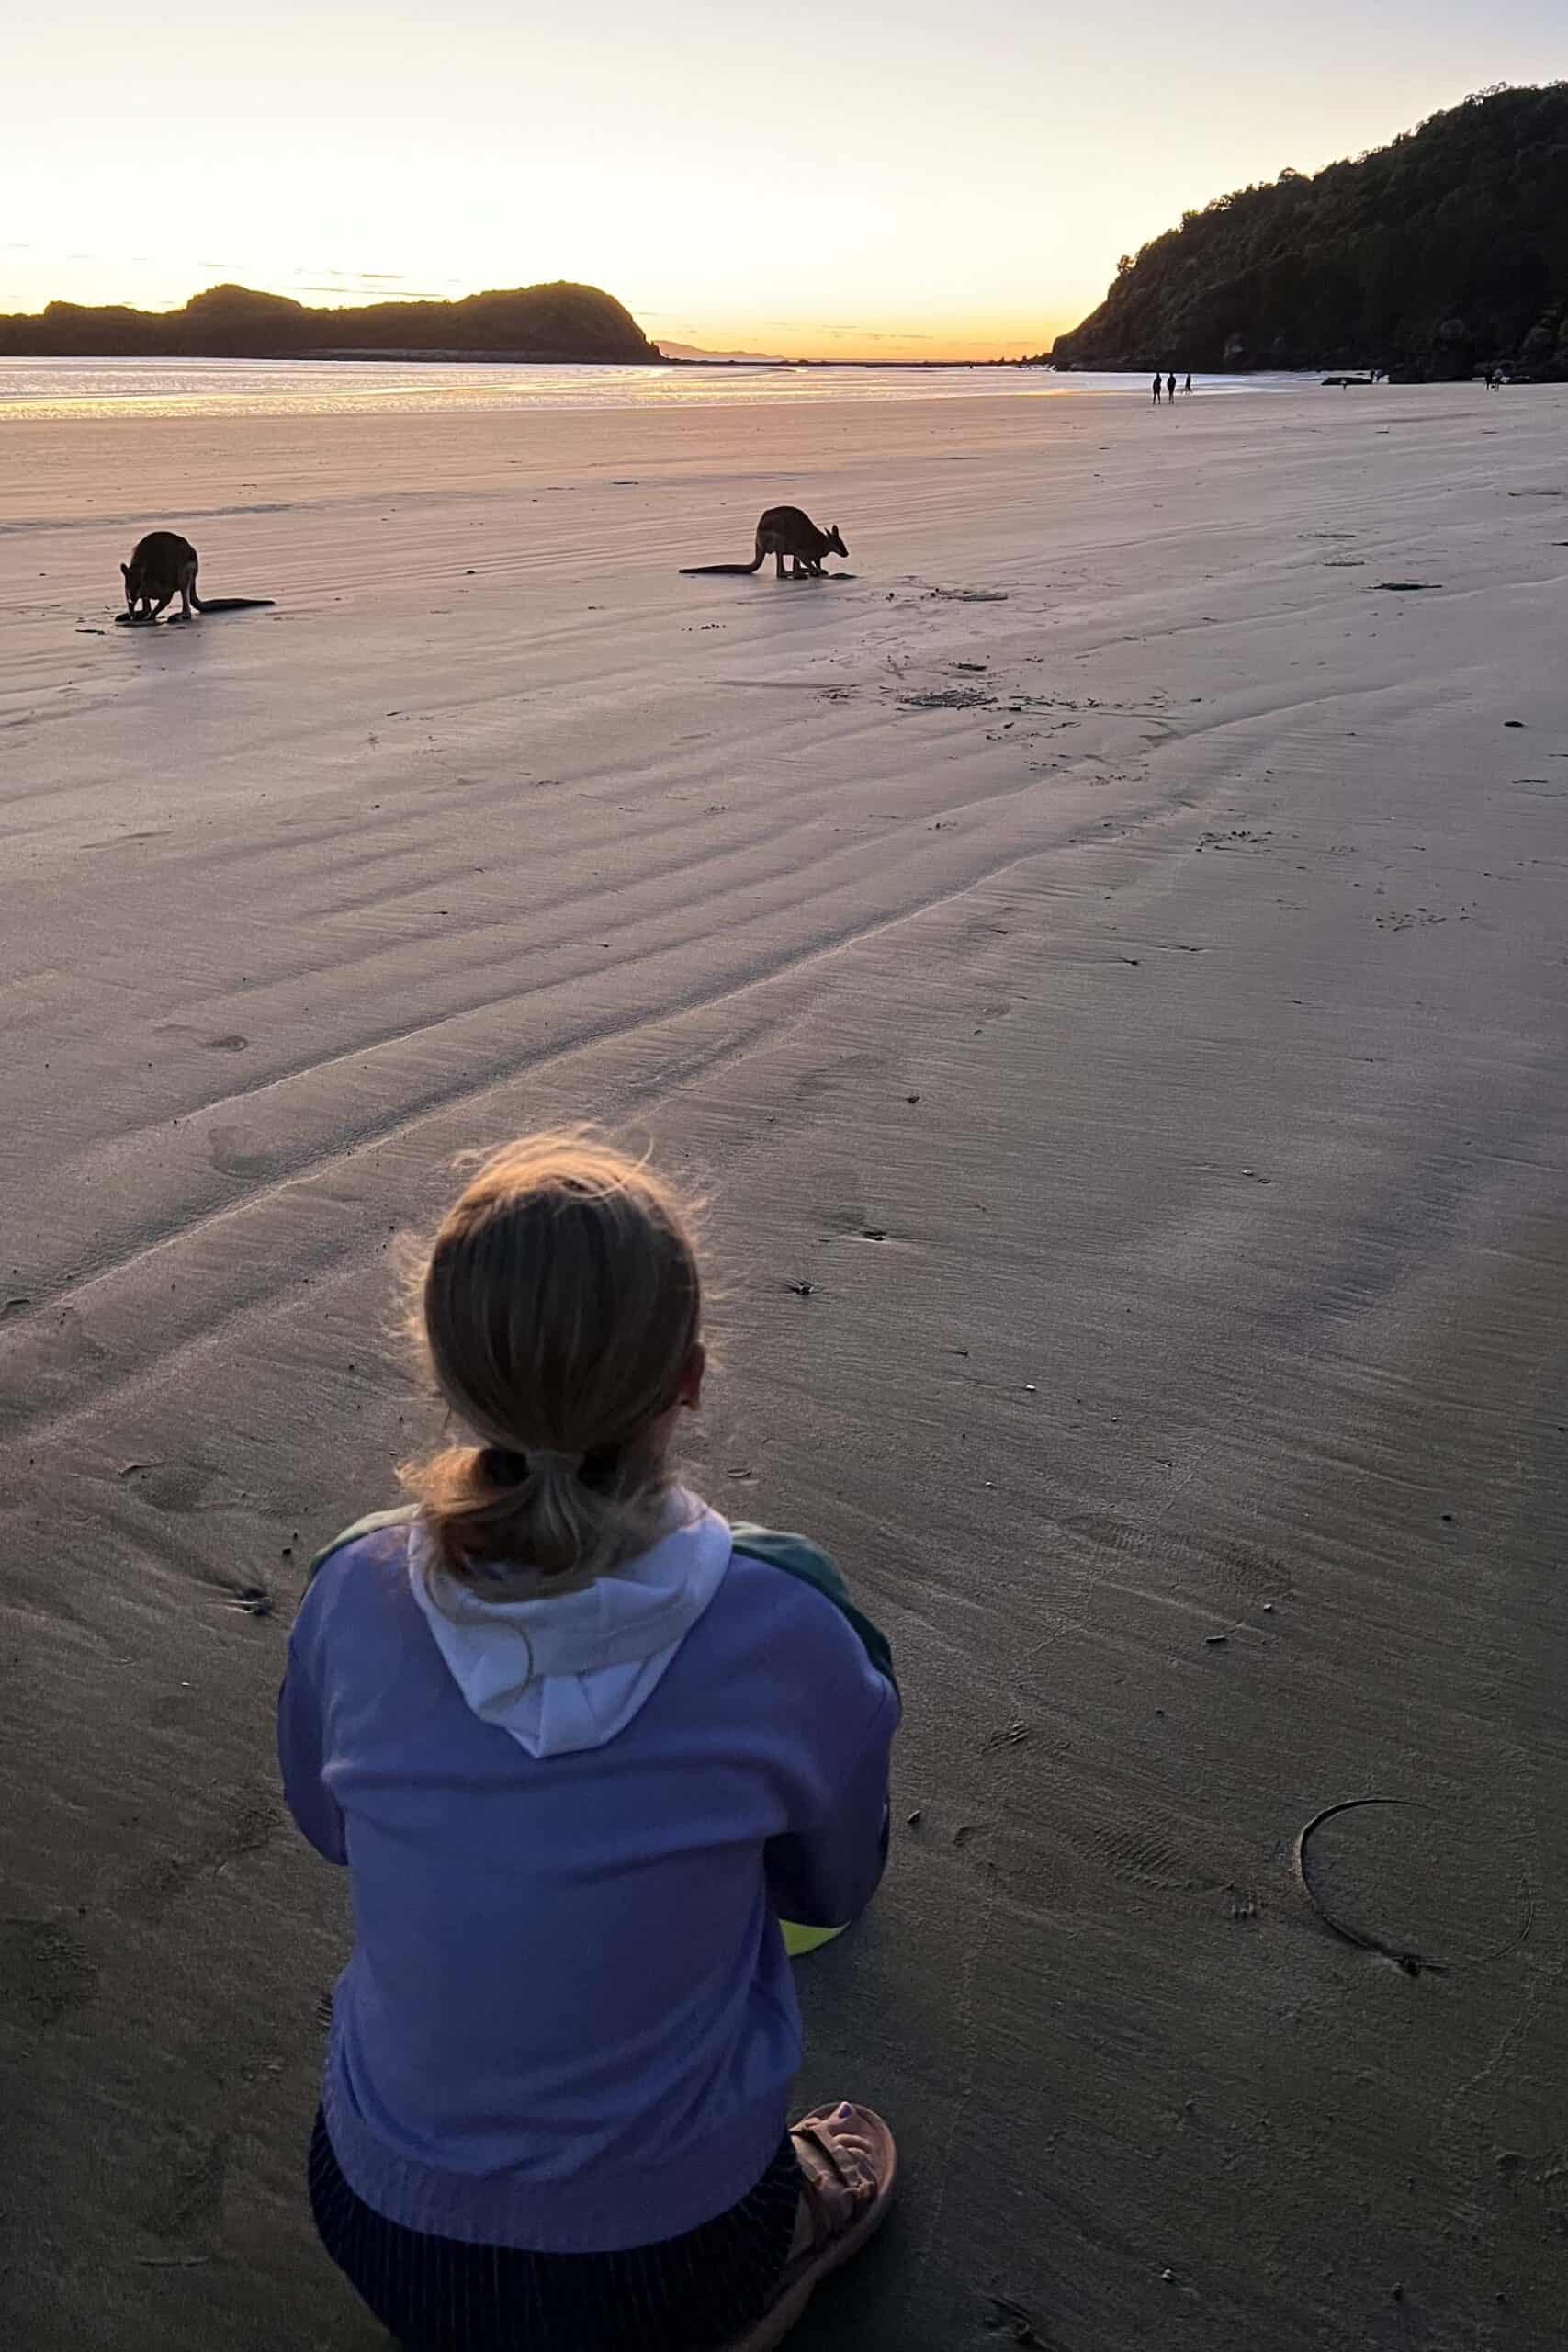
(254, 1822)
(177, 2191)
(233, 1152)
(1241, 1574)
(177, 1487)
(45, 1971)
(74, 1344)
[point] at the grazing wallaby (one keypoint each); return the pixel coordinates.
(160, 564)
(785, 530)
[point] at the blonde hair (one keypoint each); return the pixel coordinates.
(559, 1309)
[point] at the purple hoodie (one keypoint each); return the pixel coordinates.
(571, 1823)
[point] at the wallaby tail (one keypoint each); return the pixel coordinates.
(690, 570)
(230, 604)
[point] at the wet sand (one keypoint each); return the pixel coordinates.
(1112, 950)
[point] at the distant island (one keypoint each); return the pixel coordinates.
(1444, 253)
(560, 322)
(695, 351)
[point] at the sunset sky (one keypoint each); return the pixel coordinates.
(887, 178)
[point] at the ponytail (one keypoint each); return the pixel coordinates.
(560, 1311)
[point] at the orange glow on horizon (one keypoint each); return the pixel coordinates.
(908, 182)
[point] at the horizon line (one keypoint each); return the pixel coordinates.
(363, 296)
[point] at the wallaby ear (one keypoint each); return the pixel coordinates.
(125, 570)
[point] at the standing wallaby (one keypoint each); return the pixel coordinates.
(785, 530)
(160, 564)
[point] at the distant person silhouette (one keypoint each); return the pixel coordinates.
(1170, 385)
(1186, 387)
(1159, 387)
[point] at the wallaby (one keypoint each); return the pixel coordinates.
(160, 564)
(785, 530)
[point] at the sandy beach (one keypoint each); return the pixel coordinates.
(1105, 960)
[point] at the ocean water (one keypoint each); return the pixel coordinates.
(64, 389)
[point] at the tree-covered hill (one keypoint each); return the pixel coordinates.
(1447, 250)
(558, 322)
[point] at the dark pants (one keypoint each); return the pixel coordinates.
(685, 2294)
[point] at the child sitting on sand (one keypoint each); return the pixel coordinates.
(581, 1745)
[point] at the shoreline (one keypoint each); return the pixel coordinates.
(458, 357)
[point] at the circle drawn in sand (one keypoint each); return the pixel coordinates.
(1424, 1886)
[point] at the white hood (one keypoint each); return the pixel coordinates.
(567, 1670)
